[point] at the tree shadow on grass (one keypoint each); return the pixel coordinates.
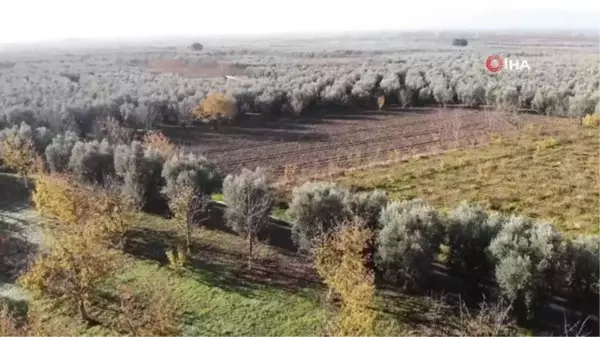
(17, 308)
(226, 267)
(149, 244)
(230, 271)
(15, 250)
(14, 196)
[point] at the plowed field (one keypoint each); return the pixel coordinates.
(343, 140)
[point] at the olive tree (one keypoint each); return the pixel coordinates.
(469, 231)
(316, 208)
(367, 206)
(408, 241)
(92, 161)
(140, 170)
(189, 182)
(527, 257)
(582, 260)
(249, 203)
(58, 152)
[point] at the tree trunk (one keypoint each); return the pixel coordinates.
(188, 239)
(83, 312)
(250, 243)
(121, 243)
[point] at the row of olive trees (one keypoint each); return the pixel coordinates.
(276, 85)
(528, 260)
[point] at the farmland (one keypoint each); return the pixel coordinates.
(350, 185)
(342, 140)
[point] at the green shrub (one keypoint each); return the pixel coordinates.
(527, 257)
(469, 231)
(316, 208)
(408, 242)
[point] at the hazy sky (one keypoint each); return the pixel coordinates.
(35, 20)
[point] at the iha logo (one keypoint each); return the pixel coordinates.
(495, 63)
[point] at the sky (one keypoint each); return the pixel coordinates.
(50, 20)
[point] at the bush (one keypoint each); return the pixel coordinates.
(582, 259)
(469, 233)
(58, 152)
(367, 206)
(202, 173)
(315, 209)
(527, 257)
(408, 241)
(92, 161)
(249, 203)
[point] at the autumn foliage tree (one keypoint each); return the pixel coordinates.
(58, 198)
(186, 204)
(18, 153)
(74, 268)
(114, 214)
(159, 142)
(340, 261)
(215, 108)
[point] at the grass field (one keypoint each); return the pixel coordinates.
(281, 295)
(547, 171)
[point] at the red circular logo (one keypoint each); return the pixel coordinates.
(494, 63)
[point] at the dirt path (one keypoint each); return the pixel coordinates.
(20, 233)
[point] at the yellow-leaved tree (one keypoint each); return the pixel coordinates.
(216, 107)
(70, 203)
(186, 205)
(340, 260)
(59, 198)
(159, 142)
(73, 270)
(19, 154)
(78, 260)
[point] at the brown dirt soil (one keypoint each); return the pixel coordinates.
(344, 140)
(208, 69)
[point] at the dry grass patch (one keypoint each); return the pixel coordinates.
(546, 171)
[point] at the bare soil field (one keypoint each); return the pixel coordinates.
(343, 140)
(209, 69)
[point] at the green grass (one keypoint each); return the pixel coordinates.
(279, 211)
(212, 309)
(548, 172)
(217, 197)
